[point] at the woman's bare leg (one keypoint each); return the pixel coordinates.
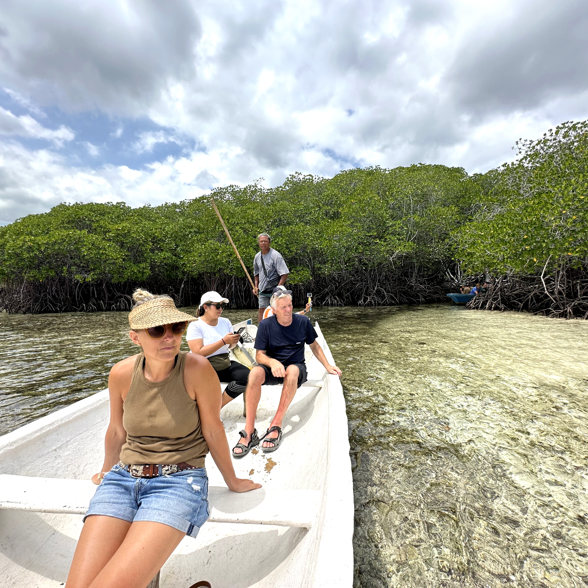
(114, 553)
(145, 549)
(101, 537)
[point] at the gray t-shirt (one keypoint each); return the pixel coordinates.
(275, 266)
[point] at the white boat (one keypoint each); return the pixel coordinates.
(294, 532)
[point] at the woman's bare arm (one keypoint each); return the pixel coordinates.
(197, 345)
(202, 381)
(119, 382)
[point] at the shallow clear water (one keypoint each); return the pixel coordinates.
(468, 433)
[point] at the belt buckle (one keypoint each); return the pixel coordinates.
(152, 471)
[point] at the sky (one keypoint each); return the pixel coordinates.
(147, 102)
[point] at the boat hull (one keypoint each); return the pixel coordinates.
(36, 548)
(461, 298)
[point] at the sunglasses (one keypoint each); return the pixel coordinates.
(159, 331)
(280, 292)
(217, 305)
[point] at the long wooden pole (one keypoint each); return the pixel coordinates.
(220, 218)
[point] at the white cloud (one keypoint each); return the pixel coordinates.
(27, 126)
(33, 182)
(114, 57)
(269, 88)
(25, 103)
(93, 151)
(148, 140)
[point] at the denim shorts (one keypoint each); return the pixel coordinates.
(178, 500)
(271, 380)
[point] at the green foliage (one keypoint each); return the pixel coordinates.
(533, 213)
(359, 229)
(362, 219)
(370, 218)
(89, 243)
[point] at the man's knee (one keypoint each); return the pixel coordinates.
(257, 375)
(292, 372)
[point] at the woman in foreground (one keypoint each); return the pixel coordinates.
(212, 336)
(157, 493)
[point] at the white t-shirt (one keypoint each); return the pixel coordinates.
(201, 330)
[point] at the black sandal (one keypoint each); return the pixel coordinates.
(276, 442)
(245, 449)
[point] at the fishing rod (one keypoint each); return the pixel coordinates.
(220, 218)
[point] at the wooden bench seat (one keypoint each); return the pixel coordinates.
(276, 506)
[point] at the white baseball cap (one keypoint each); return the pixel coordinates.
(212, 296)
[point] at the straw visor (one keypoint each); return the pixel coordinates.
(156, 312)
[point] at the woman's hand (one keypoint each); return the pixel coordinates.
(243, 485)
(231, 339)
(97, 478)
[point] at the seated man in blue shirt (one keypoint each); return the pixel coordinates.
(280, 354)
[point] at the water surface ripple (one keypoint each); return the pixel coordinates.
(468, 433)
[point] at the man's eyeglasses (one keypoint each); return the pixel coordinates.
(159, 331)
(217, 305)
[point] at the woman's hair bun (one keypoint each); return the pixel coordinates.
(140, 296)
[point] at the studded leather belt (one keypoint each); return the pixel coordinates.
(154, 470)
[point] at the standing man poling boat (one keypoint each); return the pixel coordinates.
(280, 354)
(269, 270)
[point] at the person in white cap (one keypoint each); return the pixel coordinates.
(212, 337)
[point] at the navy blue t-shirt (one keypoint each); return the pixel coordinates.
(286, 344)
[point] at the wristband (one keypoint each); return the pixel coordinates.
(223, 340)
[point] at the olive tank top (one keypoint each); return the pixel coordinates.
(162, 422)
